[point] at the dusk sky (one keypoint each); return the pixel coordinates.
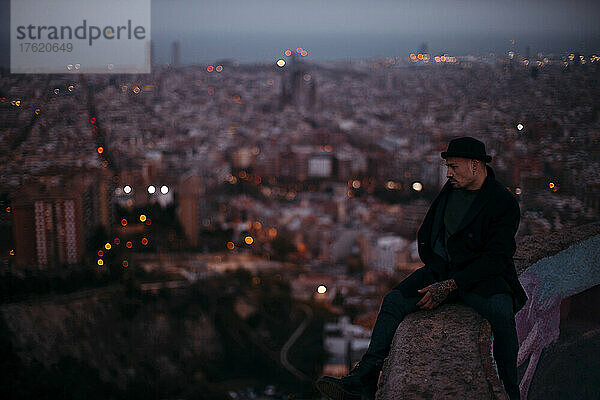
(384, 16)
(259, 30)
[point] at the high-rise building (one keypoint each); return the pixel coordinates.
(390, 251)
(189, 209)
(298, 87)
(175, 54)
(56, 215)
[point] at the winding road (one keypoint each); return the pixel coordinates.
(290, 342)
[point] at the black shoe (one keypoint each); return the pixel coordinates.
(338, 389)
(359, 384)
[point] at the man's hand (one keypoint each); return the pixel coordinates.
(436, 293)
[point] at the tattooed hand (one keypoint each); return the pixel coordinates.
(436, 293)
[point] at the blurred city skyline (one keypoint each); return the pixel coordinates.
(261, 30)
(228, 231)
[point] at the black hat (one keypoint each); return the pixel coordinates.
(466, 147)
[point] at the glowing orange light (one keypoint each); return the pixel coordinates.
(304, 53)
(129, 245)
(144, 241)
(12, 252)
(107, 246)
(125, 263)
(248, 240)
(301, 247)
(288, 52)
(117, 241)
(299, 50)
(7, 209)
(100, 262)
(551, 185)
(148, 221)
(230, 245)
(210, 68)
(272, 232)
(142, 218)
(93, 120)
(219, 68)
(100, 150)
(257, 225)
(100, 253)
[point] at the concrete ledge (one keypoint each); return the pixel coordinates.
(441, 354)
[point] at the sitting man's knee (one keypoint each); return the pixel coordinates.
(393, 296)
(393, 301)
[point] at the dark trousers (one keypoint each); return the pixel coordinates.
(497, 309)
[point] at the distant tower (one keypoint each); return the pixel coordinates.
(511, 55)
(297, 86)
(175, 54)
(284, 97)
(312, 94)
(152, 53)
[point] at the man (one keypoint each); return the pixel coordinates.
(466, 241)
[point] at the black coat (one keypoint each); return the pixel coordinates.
(481, 250)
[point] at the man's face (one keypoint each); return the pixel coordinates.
(460, 172)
